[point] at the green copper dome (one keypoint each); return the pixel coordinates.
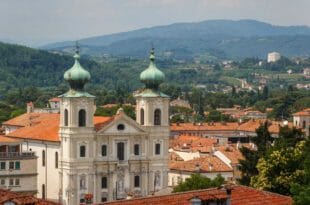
(77, 76)
(152, 77)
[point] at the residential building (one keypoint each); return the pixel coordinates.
(18, 168)
(302, 120)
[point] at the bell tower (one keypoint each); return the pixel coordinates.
(76, 134)
(152, 108)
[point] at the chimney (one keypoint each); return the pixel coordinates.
(30, 107)
(228, 189)
(195, 201)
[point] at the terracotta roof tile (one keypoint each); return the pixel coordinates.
(192, 143)
(205, 164)
(43, 126)
(8, 140)
(241, 195)
(22, 198)
(54, 100)
(305, 112)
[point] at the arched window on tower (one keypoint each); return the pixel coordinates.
(157, 117)
(82, 118)
(66, 117)
(142, 116)
(304, 124)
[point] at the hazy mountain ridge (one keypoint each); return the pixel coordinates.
(187, 40)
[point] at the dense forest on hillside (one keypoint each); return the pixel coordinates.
(34, 75)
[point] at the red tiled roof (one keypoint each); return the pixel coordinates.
(204, 126)
(192, 143)
(205, 164)
(305, 112)
(240, 195)
(22, 198)
(232, 153)
(43, 126)
(54, 100)
(7, 140)
(249, 126)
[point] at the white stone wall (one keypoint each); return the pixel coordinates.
(48, 174)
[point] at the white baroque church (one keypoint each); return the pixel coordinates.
(118, 157)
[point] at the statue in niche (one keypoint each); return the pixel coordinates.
(157, 179)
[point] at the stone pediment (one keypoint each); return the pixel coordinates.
(121, 124)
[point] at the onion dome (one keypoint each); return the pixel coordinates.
(152, 77)
(77, 76)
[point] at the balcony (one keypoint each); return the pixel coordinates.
(17, 155)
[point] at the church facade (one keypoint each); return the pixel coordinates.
(115, 157)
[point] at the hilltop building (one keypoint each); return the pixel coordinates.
(107, 158)
(273, 57)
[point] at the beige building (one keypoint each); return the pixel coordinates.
(302, 120)
(18, 170)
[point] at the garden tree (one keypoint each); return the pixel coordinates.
(180, 114)
(301, 192)
(251, 156)
(129, 110)
(198, 181)
(282, 165)
(217, 116)
(279, 169)
(265, 93)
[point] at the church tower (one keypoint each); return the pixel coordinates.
(152, 111)
(77, 135)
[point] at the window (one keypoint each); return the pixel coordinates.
(137, 181)
(66, 117)
(142, 116)
(120, 127)
(17, 182)
(104, 199)
(304, 124)
(11, 182)
(82, 151)
(104, 150)
(82, 118)
(157, 117)
(2, 165)
(2, 182)
(43, 191)
(136, 149)
(104, 182)
(11, 165)
(56, 160)
(157, 148)
(17, 165)
(43, 158)
(121, 151)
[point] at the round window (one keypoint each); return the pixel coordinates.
(121, 127)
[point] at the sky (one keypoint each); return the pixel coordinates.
(38, 22)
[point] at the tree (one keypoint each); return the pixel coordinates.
(198, 181)
(278, 170)
(248, 164)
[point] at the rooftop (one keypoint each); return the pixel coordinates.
(241, 195)
(43, 126)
